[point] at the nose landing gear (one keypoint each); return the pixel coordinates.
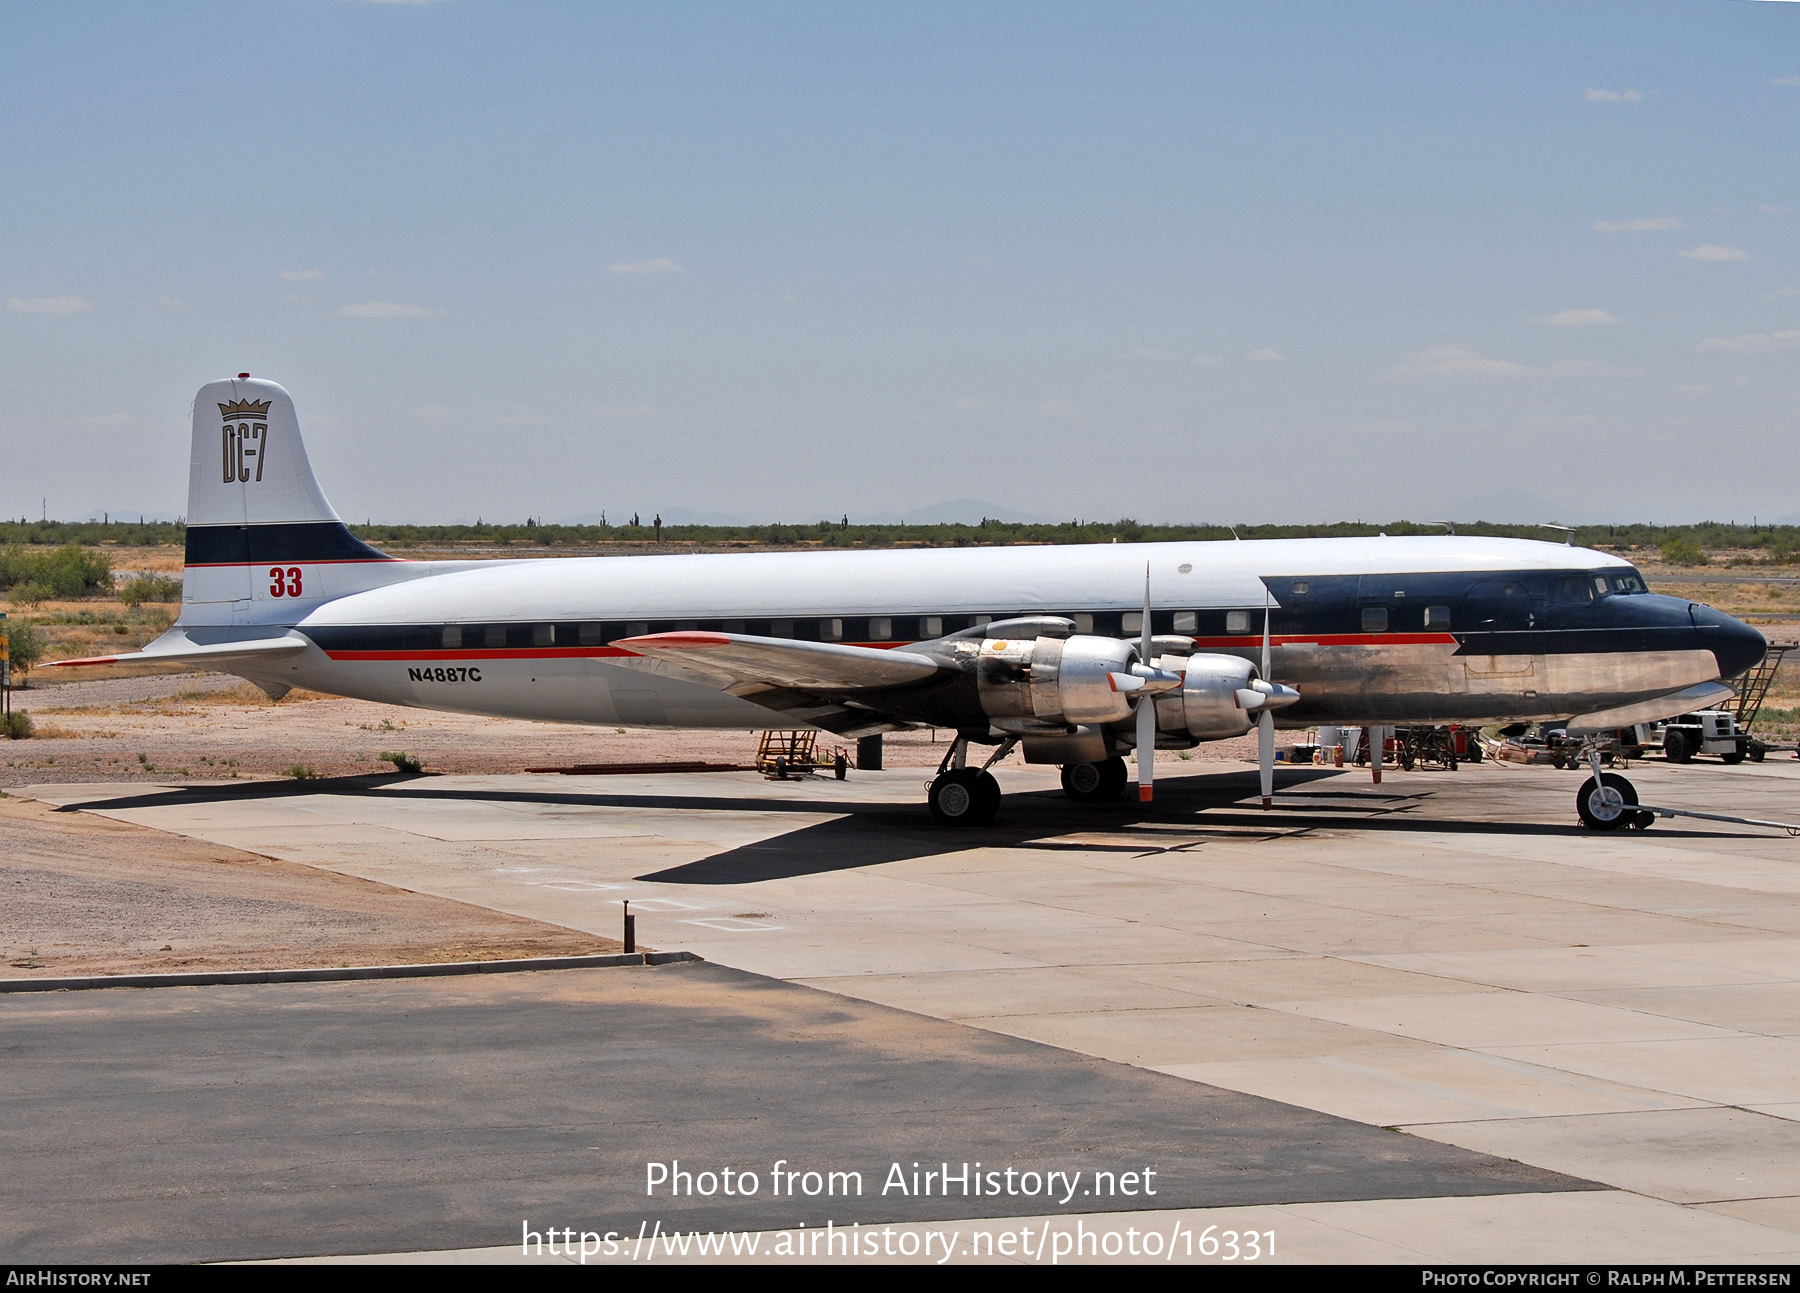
(1607, 801)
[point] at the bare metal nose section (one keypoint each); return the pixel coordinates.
(1734, 644)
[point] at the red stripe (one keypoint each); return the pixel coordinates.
(1333, 639)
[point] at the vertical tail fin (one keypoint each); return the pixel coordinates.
(260, 533)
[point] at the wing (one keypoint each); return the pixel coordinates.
(743, 665)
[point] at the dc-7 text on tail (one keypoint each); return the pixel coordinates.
(1076, 655)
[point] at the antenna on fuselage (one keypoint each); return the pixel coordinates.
(1568, 531)
(1448, 525)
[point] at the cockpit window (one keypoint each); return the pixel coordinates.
(1628, 583)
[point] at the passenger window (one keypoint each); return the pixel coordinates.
(931, 626)
(1237, 621)
(832, 630)
(636, 630)
(495, 635)
(1374, 619)
(783, 629)
(1437, 617)
(452, 636)
(1083, 623)
(1301, 586)
(1574, 590)
(881, 628)
(591, 634)
(543, 635)
(1600, 588)
(733, 626)
(1186, 622)
(1132, 622)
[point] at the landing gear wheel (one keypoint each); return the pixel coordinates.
(1095, 783)
(965, 797)
(1608, 804)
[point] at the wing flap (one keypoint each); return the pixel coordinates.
(741, 663)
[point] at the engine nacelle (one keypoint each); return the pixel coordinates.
(1048, 681)
(1207, 707)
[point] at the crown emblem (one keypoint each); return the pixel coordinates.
(245, 409)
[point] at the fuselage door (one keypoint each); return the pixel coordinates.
(1499, 606)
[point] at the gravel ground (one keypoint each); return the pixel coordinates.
(81, 894)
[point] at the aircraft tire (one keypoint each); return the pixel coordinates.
(1095, 783)
(1600, 812)
(959, 798)
(987, 793)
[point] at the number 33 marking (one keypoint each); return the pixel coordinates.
(284, 583)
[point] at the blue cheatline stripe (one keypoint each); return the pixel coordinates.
(276, 542)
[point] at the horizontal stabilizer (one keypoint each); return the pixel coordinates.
(1705, 695)
(175, 647)
(735, 660)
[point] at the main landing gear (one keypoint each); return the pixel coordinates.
(1095, 783)
(965, 796)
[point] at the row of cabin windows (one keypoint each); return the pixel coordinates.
(878, 628)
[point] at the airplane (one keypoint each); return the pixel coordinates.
(1076, 655)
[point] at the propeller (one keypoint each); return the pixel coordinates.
(1146, 709)
(1266, 697)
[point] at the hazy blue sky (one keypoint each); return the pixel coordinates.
(1271, 261)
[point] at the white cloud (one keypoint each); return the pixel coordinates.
(386, 310)
(1454, 362)
(302, 275)
(1266, 355)
(1785, 291)
(1460, 363)
(1712, 251)
(1769, 208)
(1057, 404)
(661, 265)
(1786, 80)
(970, 403)
(1753, 343)
(1577, 319)
(1642, 222)
(50, 305)
(1205, 361)
(1613, 96)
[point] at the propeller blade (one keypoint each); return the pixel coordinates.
(1146, 747)
(1273, 698)
(1265, 660)
(1265, 756)
(1146, 705)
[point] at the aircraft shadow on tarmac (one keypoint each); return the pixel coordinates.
(860, 834)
